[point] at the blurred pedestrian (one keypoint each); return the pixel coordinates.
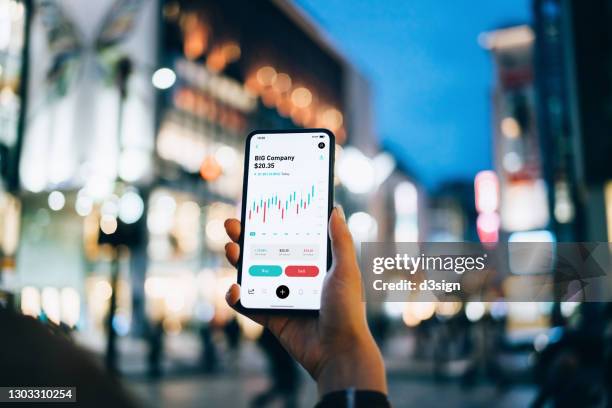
(156, 349)
(487, 337)
(232, 336)
(232, 333)
(572, 371)
(209, 359)
(283, 373)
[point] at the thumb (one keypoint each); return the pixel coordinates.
(343, 249)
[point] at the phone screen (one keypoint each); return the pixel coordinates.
(285, 213)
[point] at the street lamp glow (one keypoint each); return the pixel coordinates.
(226, 156)
(51, 304)
(30, 301)
(510, 127)
(70, 302)
(356, 171)
(363, 226)
(394, 309)
(131, 207)
(56, 200)
(98, 186)
(108, 224)
(383, 164)
(474, 311)
(163, 78)
(406, 198)
(133, 165)
(84, 204)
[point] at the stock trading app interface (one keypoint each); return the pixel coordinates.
(285, 239)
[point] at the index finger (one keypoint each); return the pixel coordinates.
(232, 227)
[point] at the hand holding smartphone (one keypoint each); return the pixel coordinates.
(283, 254)
(287, 200)
(335, 346)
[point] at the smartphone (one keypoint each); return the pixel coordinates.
(286, 204)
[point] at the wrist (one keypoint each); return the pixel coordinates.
(360, 367)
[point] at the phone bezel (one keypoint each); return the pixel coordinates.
(332, 147)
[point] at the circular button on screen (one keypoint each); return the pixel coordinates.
(282, 291)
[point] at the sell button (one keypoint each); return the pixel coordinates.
(265, 270)
(306, 271)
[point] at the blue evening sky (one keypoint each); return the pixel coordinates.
(430, 79)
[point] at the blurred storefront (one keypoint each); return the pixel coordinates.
(86, 162)
(14, 20)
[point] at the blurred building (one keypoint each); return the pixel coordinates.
(554, 119)
(513, 199)
(517, 153)
(550, 121)
(86, 162)
(226, 73)
(574, 46)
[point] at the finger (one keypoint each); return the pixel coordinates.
(343, 249)
(232, 227)
(233, 296)
(232, 252)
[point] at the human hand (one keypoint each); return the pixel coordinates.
(336, 347)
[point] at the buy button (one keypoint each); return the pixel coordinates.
(301, 271)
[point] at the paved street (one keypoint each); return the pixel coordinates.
(409, 386)
(235, 391)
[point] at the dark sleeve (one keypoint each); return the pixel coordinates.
(352, 398)
(33, 355)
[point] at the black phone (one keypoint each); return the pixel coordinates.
(286, 204)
